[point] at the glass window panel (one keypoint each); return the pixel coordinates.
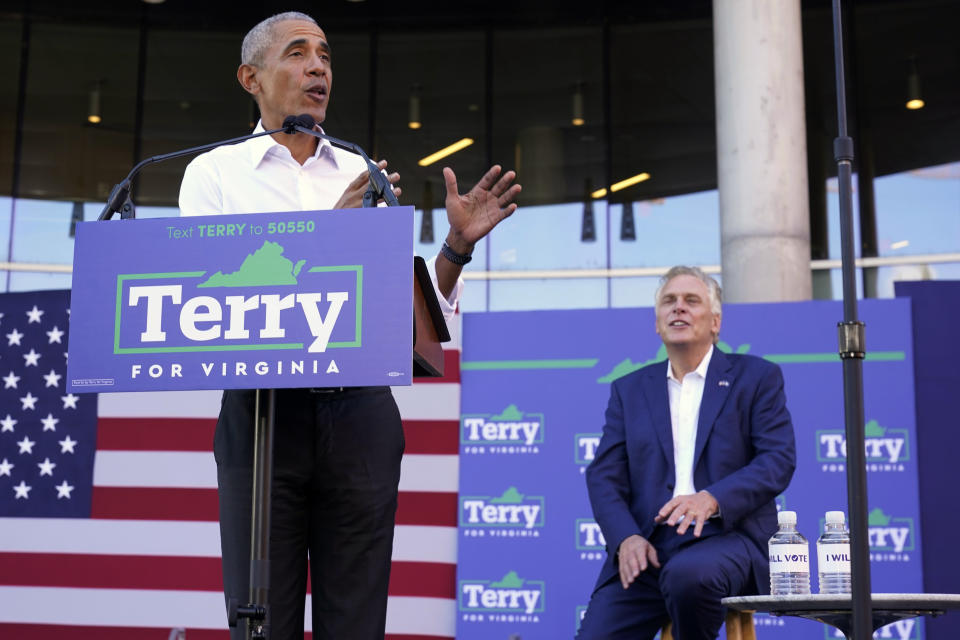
(70, 67)
(633, 292)
(10, 37)
(681, 229)
(535, 100)
(32, 281)
(6, 205)
(833, 219)
(663, 124)
(191, 97)
(348, 116)
(549, 237)
(158, 212)
(836, 283)
(474, 298)
(919, 211)
(41, 231)
(525, 295)
(442, 73)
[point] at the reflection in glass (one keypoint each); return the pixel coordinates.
(191, 97)
(33, 281)
(41, 231)
(6, 205)
(64, 155)
(10, 36)
(525, 295)
(681, 229)
(919, 211)
(663, 125)
(548, 237)
(533, 128)
(444, 72)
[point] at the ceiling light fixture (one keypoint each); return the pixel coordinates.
(623, 184)
(446, 151)
(93, 109)
(629, 182)
(413, 111)
(914, 101)
(577, 112)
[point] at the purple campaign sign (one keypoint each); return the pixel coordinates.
(301, 299)
(533, 403)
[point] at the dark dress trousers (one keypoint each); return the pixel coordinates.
(336, 475)
(744, 456)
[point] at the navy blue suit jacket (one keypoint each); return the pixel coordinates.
(744, 456)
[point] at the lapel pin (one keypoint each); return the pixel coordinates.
(724, 383)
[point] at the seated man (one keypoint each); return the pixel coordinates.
(693, 453)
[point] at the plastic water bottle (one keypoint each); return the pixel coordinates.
(833, 555)
(789, 558)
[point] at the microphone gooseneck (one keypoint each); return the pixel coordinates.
(380, 187)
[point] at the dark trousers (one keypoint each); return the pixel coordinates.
(336, 473)
(687, 589)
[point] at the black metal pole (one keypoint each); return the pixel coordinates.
(259, 626)
(852, 352)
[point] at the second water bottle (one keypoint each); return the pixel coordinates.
(833, 555)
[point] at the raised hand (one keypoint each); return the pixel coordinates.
(474, 214)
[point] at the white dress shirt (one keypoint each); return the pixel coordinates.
(260, 176)
(685, 398)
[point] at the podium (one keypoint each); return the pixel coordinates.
(264, 301)
(429, 326)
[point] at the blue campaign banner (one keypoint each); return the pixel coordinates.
(535, 388)
(299, 299)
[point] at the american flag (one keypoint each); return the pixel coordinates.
(108, 506)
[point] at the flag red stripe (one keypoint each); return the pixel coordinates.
(51, 631)
(89, 571)
(155, 434)
(48, 631)
(151, 503)
(110, 572)
(426, 508)
(432, 436)
(423, 579)
(196, 434)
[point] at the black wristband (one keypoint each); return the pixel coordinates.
(453, 256)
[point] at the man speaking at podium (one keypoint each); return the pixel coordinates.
(336, 451)
(693, 453)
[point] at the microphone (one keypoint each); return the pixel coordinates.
(119, 200)
(380, 187)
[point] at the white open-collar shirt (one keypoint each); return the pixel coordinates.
(685, 398)
(260, 176)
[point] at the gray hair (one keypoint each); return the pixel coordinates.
(713, 287)
(259, 39)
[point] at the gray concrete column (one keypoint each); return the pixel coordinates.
(819, 157)
(761, 150)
